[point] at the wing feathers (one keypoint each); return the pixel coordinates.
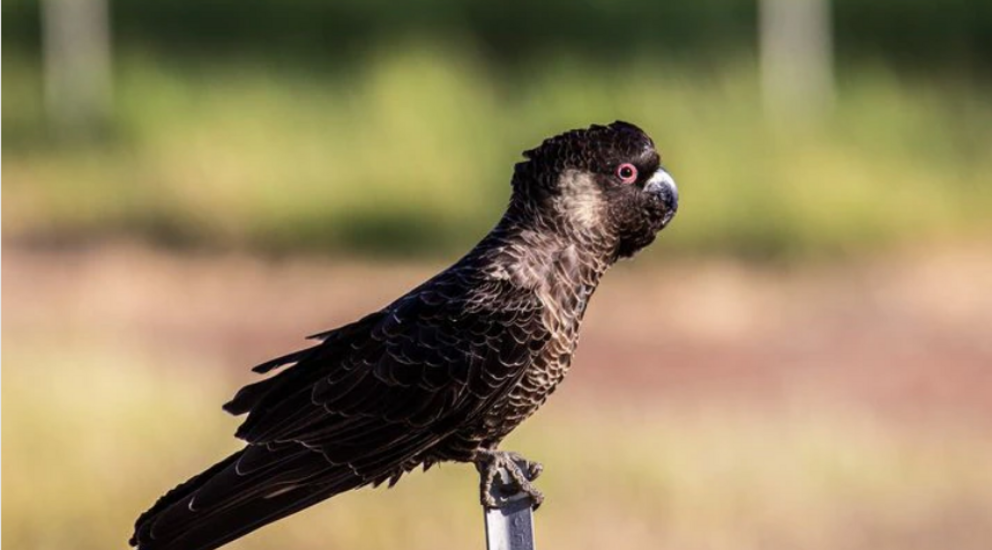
(363, 406)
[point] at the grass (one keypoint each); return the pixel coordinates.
(91, 443)
(410, 149)
(711, 406)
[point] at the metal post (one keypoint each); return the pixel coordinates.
(511, 526)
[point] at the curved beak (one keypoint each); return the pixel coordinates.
(662, 185)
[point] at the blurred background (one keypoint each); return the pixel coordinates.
(803, 359)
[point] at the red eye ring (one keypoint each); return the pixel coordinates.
(627, 173)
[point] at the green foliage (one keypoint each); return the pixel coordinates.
(410, 151)
(931, 33)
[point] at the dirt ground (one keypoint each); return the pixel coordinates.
(909, 334)
(712, 404)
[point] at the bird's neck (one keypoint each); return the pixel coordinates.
(562, 267)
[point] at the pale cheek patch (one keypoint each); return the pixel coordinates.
(580, 199)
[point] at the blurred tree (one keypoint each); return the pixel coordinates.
(76, 42)
(796, 43)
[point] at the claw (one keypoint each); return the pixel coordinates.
(520, 471)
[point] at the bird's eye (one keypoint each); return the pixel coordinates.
(627, 173)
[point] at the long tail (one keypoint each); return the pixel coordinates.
(239, 494)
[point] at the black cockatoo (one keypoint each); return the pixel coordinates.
(446, 371)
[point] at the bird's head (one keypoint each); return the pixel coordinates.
(604, 184)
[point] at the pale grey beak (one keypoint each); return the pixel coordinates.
(663, 186)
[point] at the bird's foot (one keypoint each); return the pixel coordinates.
(495, 489)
